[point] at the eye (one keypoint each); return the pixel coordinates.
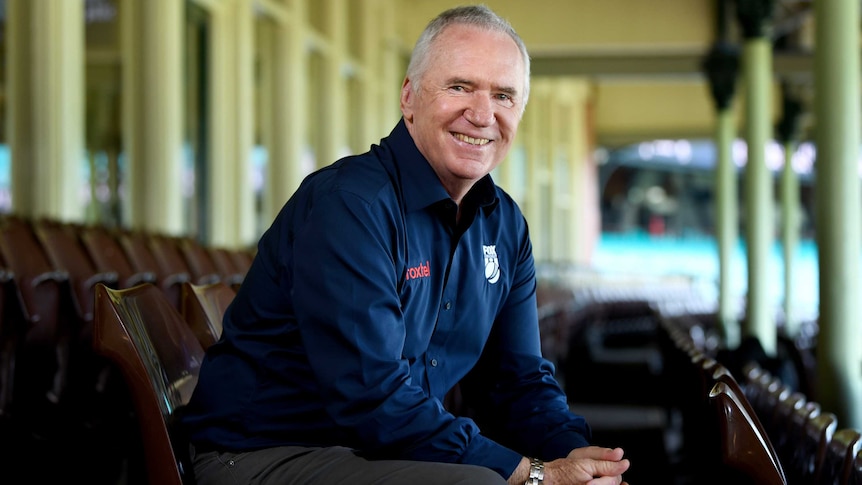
(458, 88)
(504, 99)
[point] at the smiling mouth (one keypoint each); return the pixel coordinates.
(471, 140)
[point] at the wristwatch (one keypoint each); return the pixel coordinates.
(537, 472)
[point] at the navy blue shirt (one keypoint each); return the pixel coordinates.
(366, 303)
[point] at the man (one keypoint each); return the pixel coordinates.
(388, 278)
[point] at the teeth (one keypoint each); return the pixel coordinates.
(472, 141)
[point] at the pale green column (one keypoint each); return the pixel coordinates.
(539, 171)
(266, 36)
(789, 234)
(152, 99)
(393, 64)
(46, 106)
(557, 174)
(529, 133)
(367, 120)
(583, 225)
(721, 67)
(230, 196)
(727, 234)
(836, 81)
(19, 116)
(787, 131)
(332, 120)
(759, 223)
(289, 110)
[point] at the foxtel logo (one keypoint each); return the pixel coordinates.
(420, 271)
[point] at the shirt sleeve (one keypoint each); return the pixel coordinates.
(519, 401)
(349, 315)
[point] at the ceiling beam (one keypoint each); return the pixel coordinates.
(644, 64)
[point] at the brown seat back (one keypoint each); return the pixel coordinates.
(203, 307)
(744, 443)
(108, 255)
(170, 274)
(166, 250)
(818, 432)
(793, 452)
(37, 283)
(840, 453)
(242, 259)
(199, 262)
(36, 332)
(856, 472)
(66, 254)
(158, 355)
(226, 266)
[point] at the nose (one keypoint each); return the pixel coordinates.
(480, 111)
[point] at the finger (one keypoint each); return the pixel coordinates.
(605, 468)
(615, 454)
(597, 453)
(606, 481)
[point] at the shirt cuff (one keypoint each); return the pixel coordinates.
(561, 445)
(488, 453)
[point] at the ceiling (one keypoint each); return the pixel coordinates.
(644, 58)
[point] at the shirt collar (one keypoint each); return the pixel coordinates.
(420, 184)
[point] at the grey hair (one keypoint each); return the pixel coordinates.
(476, 15)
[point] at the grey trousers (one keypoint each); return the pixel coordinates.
(328, 466)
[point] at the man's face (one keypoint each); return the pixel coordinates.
(466, 111)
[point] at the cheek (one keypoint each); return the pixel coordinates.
(509, 120)
(509, 125)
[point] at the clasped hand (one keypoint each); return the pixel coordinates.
(590, 465)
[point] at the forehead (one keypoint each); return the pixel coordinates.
(474, 53)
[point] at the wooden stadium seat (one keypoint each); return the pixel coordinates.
(88, 371)
(819, 430)
(66, 253)
(37, 282)
(778, 424)
(145, 336)
(791, 451)
(755, 381)
(7, 293)
(107, 255)
(840, 455)
(36, 335)
(856, 473)
(169, 278)
(199, 262)
(242, 259)
(745, 448)
(203, 308)
(224, 262)
(721, 374)
(776, 391)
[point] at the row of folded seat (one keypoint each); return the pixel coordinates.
(602, 338)
(51, 380)
(646, 368)
(772, 435)
(807, 438)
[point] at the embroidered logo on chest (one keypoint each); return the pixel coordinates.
(422, 270)
(492, 264)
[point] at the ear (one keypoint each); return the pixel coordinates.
(407, 100)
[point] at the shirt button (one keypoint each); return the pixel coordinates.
(447, 305)
(433, 362)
